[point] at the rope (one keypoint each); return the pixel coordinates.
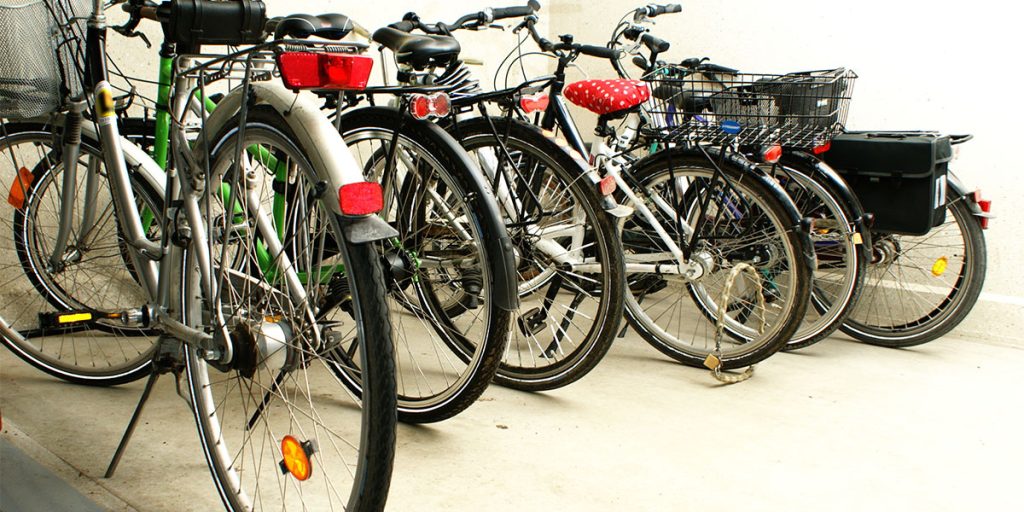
(714, 360)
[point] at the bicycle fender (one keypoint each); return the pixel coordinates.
(822, 172)
(336, 166)
(959, 190)
(482, 199)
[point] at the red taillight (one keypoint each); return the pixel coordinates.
(606, 185)
(308, 70)
(361, 198)
(534, 102)
(422, 106)
(772, 154)
(822, 148)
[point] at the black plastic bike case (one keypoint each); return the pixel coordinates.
(194, 23)
(900, 177)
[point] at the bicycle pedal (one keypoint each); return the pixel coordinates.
(532, 322)
(73, 318)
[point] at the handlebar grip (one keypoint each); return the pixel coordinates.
(655, 10)
(654, 43)
(599, 51)
(404, 26)
(514, 12)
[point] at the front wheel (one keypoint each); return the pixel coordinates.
(93, 272)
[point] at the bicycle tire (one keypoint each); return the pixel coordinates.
(788, 278)
(840, 251)
(933, 305)
(449, 334)
(244, 411)
(105, 353)
(534, 361)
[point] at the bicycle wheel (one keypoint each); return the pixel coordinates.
(279, 400)
(842, 259)
(568, 253)
(449, 273)
(742, 220)
(919, 288)
(92, 272)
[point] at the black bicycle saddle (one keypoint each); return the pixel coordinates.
(302, 26)
(419, 51)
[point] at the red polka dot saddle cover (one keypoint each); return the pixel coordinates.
(607, 96)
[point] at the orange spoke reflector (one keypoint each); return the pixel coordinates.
(296, 458)
(16, 197)
(939, 267)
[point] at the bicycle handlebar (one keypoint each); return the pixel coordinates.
(411, 21)
(566, 44)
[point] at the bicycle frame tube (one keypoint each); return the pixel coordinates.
(147, 252)
(163, 116)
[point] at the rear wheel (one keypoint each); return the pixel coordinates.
(841, 258)
(295, 322)
(919, 288)
(448, 273)
(742, 221)
(569, 260)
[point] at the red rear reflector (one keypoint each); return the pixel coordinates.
(986, 206)
(308, 70)
(422, 106)
(534, 102)
(361, 198)
(607, 185)
(772, 154)
(822, 148)
(16, 196)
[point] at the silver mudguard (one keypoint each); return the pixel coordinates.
(333, 162)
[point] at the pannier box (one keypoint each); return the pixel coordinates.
(900, 177)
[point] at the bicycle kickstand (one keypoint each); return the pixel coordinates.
(168, 359)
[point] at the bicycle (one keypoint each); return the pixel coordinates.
(554, 207)
(445, 357)
(840, 235)
(257, 352)
(896, 264)
(699, 209)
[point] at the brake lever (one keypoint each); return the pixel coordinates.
(128, 29)
(126, 32)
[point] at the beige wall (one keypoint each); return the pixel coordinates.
(940, 64)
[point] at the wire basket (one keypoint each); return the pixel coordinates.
(40, 54)
(798, 110)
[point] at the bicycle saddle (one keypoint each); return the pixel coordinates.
(419, 51)
(607, 96)
(302, 26)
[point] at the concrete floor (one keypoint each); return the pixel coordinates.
(842, 426)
